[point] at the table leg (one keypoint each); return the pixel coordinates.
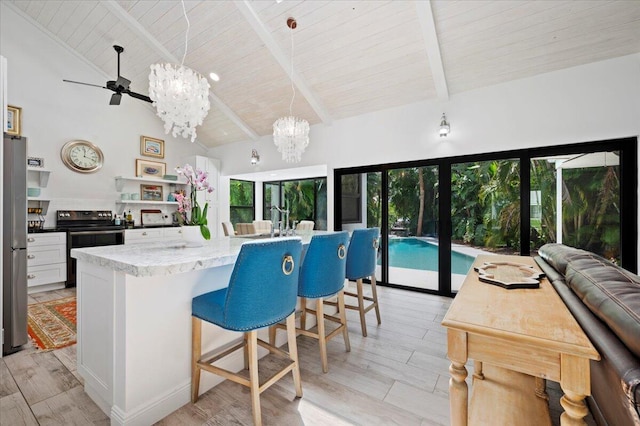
(458, 394)
(576, 384)
(574, 409)
(458, 389)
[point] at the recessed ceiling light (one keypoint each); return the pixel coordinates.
(213, 76)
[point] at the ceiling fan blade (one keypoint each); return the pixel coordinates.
(86, 84)
(123, 83)
(138, 96)
(115, 99)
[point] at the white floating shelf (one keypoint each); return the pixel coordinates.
(120, 180)
(44, 175)
(146, 202)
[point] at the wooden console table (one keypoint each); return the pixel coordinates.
(527, 331)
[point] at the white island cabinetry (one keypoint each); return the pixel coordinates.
(134, 324)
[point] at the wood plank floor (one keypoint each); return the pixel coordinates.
(396, 375)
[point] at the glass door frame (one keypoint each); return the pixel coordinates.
(627, 147)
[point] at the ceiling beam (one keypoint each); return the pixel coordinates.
(159, 48)
(282, 58)
(428, 25)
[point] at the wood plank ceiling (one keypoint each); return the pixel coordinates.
(350, 57)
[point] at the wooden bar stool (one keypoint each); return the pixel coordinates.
(361, 263)
(262, 291)
(321, 276)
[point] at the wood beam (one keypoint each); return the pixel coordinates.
(159, 48)
(428, 25)
(282, 58)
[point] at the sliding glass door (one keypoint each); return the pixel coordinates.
(361, 204)
(412, 247)
(485, 212)
(437, 215)
(575, 200)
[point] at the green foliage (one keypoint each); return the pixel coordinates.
(404, 199)
(374, 199)
(305, 199)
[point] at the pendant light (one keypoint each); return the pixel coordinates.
(291, 134)
(180, 94)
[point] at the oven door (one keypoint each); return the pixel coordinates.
(89, 238)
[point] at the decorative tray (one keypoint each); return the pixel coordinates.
(509, 275)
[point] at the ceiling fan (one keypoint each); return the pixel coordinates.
(119, 86)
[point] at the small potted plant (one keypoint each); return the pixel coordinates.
(189, 211)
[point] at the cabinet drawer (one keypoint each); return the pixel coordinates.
(46, 239)
(45, 255)
(142, 235)
(46, 274)
(172, 233)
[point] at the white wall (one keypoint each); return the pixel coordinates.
(591, 102)
(55, 113)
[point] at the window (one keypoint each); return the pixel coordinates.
(511, 202)
(306, 199)
(241, 201)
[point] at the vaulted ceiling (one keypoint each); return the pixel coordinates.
(349, 57)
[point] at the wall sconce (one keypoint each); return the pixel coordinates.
(444, 126)
(255, 158)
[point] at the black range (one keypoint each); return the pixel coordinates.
(87, 228)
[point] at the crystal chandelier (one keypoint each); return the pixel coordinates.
(291, 134)
(180, 94)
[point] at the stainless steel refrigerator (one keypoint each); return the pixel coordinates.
(14, 244)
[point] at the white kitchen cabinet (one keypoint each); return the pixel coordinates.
(174, 233)
(146, 235)
(46, 261)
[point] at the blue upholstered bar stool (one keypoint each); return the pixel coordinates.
(361, 263)
(262, 291)
(322, 275)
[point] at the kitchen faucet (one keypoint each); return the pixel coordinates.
(286, 221)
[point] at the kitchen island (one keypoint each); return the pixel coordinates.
(134, 324)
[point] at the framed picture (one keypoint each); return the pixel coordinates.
(151, 192)
(35, 162)
(14, 120)
(151, 147)
(146, 168)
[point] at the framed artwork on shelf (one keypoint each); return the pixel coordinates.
(35, 162)
(151, 147)
(14, 120)
(151, 192)
(146, 168)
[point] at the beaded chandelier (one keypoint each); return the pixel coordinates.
(180, 95)
(291, 134)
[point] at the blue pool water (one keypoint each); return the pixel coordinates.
(412, 253)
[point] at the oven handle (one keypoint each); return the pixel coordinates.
(117, 231)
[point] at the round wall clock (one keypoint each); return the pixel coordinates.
(81, 156)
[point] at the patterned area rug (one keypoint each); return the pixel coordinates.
(52, 325)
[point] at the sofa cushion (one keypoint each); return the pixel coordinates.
(559, 255)
(611, 293)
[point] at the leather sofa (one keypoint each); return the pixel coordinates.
(605, 300)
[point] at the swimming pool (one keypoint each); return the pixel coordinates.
(413, 253)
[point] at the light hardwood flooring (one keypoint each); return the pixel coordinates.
(396, 375)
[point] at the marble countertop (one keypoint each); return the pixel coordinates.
(166, 257)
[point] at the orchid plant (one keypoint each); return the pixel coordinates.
(188, 208)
